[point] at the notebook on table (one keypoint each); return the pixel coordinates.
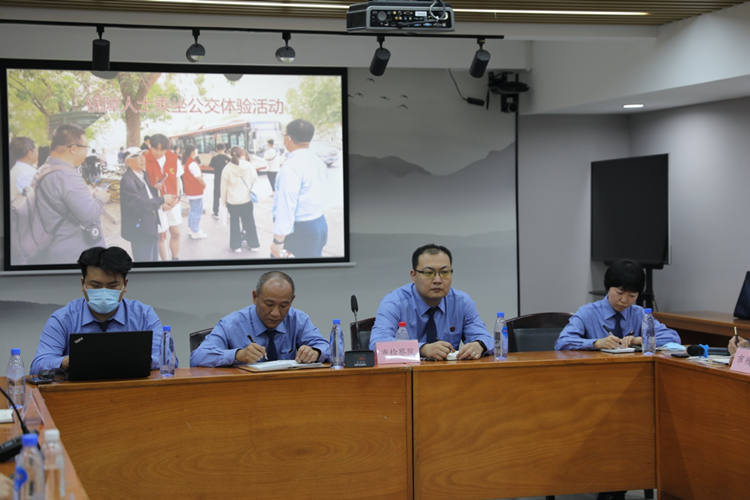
(282, 364)
(110, 355)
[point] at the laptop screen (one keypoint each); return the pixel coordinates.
(110, 355)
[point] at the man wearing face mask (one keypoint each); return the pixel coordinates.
(101, 309)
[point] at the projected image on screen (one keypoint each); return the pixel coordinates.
(177, 168)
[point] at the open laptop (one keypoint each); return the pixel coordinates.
(110, 355)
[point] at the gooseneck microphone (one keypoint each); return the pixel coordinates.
(700, 350)
(12, 447)
(355, 309)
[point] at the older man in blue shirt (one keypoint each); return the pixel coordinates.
(300, 228)
(101, 309)
(439, 316)
(614, 321)
(269, 330)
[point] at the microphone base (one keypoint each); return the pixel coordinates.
(359, 359)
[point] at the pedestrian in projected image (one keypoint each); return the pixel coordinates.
(237, 180)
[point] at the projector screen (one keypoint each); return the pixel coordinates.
(209, 216)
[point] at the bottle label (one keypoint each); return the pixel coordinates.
(20, 478)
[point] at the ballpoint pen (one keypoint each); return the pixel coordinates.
(610, 332)
(736, 339)
(252, 341)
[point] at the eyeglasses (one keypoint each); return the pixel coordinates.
(430, 273)
(80, 146)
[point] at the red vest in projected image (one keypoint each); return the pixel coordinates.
(189, 184)
(170, 168)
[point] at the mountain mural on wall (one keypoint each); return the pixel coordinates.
(390, 195)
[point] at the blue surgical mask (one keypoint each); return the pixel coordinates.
(103, 300)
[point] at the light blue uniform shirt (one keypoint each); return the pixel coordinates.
(585, 326)
(456, 319)
(76, 317)
(300, 190)
(230, 334)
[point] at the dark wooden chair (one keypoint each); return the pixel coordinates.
(536, 332)
(365, 327)
(196, 338)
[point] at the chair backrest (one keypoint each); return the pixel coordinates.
(365, 327)
(196, 338)
(536, 332)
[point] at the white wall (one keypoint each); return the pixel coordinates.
(554, 206)
(572, 76)
(709, 179)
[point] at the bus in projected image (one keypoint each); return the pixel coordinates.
(119, 109)
(252, 135)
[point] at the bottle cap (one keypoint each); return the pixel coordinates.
(30, 440)
(167, 328)
(14, 352)
(500, 315)
(51, 435)
(336, 321)
(401, 323)
(647, 310)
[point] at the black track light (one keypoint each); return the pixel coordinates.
(195, 52)
(380, 59)
(481, 60)
(100, 52)
(285, 54)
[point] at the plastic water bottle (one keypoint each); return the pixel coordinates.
(401, 333)
(166, 353)
(28, 483)
(15, 381)
(501, 338)
(54, 466)
(337, 345)
(647, 333)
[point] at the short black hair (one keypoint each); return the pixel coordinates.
(66, 135)
(300, 131)
(270, 141)
(20, 147)
(160, 140)
(271, 275)
(220, 146)
(110, 260)
(431, 249)
(146, 138)
(43, 155)
(625, 274)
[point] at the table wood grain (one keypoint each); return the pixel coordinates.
(539, 424)
(227, 433)
(703, 431)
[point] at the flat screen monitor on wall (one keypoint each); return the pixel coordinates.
(630, 210)
(300, 186)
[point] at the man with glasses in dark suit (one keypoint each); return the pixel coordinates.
(436, 314)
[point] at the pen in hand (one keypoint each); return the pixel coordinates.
(252, 341)
(610, 332)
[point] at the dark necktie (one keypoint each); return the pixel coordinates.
(271, 353)
(430, 330)
(618, 327)
(105, 324)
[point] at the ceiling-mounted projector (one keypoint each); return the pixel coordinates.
(383, 15)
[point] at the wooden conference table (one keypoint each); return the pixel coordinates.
(37, 412)
(704, 327)
(537, 424)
